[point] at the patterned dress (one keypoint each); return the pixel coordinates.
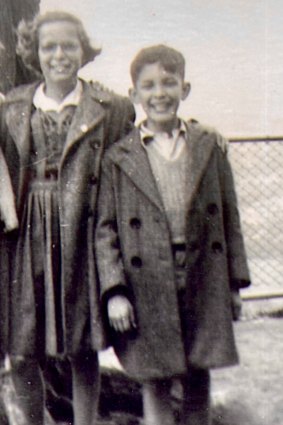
(39, 251)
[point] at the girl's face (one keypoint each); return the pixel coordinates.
(60, 51)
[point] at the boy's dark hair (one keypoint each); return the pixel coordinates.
(170, 59)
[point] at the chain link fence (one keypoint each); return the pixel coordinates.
(258, 171)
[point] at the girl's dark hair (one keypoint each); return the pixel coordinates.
(170, 59)
(27, 38)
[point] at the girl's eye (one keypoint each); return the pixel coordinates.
(66, 47)
(48, 47)
(69, 47)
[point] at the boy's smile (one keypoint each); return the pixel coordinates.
(159, 92)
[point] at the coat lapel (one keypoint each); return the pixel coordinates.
(200, 146)
(133, 160)
(88, 114)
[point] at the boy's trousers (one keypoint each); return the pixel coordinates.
(196, 384)
(195, 408)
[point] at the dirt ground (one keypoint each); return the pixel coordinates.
(248, 394)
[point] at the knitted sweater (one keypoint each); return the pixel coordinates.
(171, 179)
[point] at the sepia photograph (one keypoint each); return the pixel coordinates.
(141, 212)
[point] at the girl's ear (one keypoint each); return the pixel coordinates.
(133, 94)
(186, 90)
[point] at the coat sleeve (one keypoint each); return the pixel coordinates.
(107, 245)
(236, 254)
(8, 214)
(7, 199)
(121, 119)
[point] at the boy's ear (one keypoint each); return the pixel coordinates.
(133, 94)
(186, 90)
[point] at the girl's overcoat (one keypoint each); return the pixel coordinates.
(140, 262)
(100, 119)
(5, 245)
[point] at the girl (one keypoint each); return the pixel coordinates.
(55, 133)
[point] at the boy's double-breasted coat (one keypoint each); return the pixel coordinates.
(135, 258)
(100, 119)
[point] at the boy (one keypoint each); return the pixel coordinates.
(169, 248)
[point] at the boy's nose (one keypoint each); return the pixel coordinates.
(159, 90)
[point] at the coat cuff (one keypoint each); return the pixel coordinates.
(116, 290)
(237, 284)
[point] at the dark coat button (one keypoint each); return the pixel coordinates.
(193, 246)
(212, 209)
(135, 223)
(95, 144)
(136, 262)
(93, 179)
(216, 247)
(194, 211)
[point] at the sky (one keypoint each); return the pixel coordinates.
(233, 51)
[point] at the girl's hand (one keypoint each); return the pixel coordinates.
(11, 224)
(2, 98)
(121, 313)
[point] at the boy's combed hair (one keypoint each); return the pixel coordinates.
(27, 38)
(170, 59)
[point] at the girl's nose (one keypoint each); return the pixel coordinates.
(59, 51)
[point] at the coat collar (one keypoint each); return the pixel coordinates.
(88, 114)
(131, 157)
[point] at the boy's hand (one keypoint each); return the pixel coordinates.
(236, 303)
(121, 313)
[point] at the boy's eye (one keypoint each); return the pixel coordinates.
(170, 82)
(147, 85)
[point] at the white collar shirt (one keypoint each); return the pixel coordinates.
(45, 103)
(169, 146)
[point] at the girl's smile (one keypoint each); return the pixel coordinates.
(60, 52)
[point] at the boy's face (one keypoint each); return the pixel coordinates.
(159, 92)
